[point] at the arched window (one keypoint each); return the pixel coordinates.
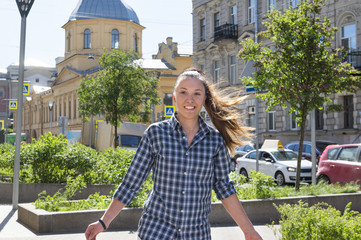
(135, 42)
(87, 38)
(115, 38)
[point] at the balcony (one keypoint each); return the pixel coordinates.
(226, 31)
(354, 58)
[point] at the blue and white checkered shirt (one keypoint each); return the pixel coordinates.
(183, 177)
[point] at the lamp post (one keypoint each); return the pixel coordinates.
(51, 105)
(24, 7)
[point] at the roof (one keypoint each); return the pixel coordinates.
(40, 89)
(110, 9)
(185, 50)
(152, 64)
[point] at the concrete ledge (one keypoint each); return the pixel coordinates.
(28, 192)
(259, 212)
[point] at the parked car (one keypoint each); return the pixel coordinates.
(306, 149)
(340, 163)
(239, 152)
(276, 162)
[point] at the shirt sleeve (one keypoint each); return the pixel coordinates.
(222, 185)
(139, 169)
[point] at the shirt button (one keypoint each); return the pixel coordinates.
(182, 211)
(179, 229)
(184, 137)
(186, 153)
(183, 192)
(185, 173)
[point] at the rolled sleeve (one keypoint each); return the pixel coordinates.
(138, 170)
(222, 186)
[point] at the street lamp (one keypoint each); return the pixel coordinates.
(24, 7)
(51, 105)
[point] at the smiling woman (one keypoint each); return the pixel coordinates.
(188, 158)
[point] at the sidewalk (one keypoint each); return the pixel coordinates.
(11, 229)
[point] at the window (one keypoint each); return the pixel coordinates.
(216, 65)
(251, 11)
(293, 3)
(87, 38)
(115, 38)
(271, 4)
(348, 154)
(202, 67)
(168, 99)
(271, 121)
(251, 117)
(217, 19)
(319, 119)
(135, 42)
(59, 109)
(232, 69)
(69, 109)
(348, 40)
(64, 109)
(74, 108)
(348, 111)
(2, 93)
(293, 125)
(233, 11)
(37, 80)
(202, 29)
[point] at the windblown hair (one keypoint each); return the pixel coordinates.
(222, 111)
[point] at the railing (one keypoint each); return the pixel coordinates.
(354, 58)
(226, 31)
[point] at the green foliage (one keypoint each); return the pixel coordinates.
(121, 90)
(7, 153)
(259, 186)
(112, 165)
(319, 222)
(51, 160)
(299, 69)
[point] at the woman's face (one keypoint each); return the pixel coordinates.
(189, 97)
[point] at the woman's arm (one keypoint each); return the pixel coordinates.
(235, 209)
(95, 228)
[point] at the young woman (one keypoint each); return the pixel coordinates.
(188, 159)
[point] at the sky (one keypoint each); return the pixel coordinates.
(45, 37)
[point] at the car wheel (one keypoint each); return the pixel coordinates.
(323, 178)
(243, 172)
(280, 179)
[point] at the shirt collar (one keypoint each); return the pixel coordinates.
(203, 126)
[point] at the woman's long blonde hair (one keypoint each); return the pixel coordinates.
(222, 110)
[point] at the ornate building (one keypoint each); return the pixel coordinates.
(93, 27)
(219, 27)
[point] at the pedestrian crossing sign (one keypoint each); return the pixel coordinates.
(13, 105)
(26, 89)
(168, 111)
(1, 124)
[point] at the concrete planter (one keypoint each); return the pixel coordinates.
(28, 192)
(259, 212)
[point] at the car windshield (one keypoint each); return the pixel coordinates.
(284, 155)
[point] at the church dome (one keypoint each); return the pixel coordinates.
(111, 9)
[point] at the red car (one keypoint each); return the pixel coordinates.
(340, 163)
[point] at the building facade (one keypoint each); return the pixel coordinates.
(219, 27)
(89, 32)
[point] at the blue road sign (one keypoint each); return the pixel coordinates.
(13, 105)
(26, 89)
(168, 111)
(2, 124)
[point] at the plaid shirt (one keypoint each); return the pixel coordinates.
(183, 177)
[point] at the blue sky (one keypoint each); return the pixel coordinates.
(45, 38)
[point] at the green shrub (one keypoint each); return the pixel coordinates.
(112, 165)
(259, 185)
(7, 153)
(318, 222)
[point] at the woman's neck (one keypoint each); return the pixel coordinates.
(189, 125)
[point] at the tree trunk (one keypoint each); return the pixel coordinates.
(300, 147)
(116, 137)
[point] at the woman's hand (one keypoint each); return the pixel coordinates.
(253, 235)
(93, 230)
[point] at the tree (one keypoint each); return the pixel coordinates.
(120, 91)
(299, 69)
